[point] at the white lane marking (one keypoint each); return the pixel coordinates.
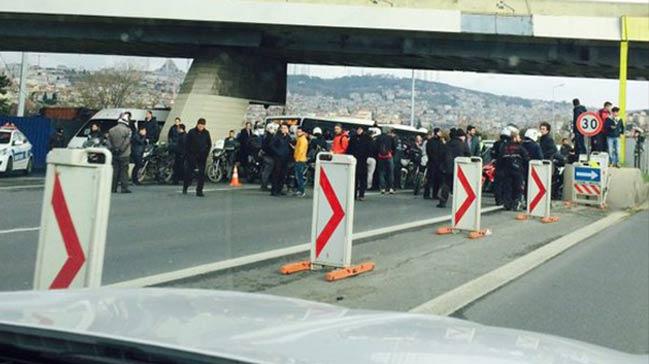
(463, 295)
(19, 230)
(272, 254)
(192, 190)
(21, 187)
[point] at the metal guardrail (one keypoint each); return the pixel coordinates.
(630, 155)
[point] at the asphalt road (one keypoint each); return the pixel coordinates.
(156, 229)
(597, 292)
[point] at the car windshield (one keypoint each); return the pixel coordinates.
(328, 181)
(5, 137)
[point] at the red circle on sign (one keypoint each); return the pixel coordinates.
(585, 123)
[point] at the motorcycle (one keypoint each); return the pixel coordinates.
(410, 166)
(157, 164)
(488, 175)
(222, 162)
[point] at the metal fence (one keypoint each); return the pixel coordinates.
(630, 155)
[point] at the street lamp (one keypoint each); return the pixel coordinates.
(554, 116)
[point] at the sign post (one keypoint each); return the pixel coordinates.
(590, 186)
(539, 191)
(74, 219)
(589, 124)
(467, 198)
(332, 219)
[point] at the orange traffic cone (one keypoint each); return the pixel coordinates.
(235, 178)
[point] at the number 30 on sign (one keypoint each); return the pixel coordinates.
(589, 124)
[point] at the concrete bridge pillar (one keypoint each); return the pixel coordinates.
(221, 84)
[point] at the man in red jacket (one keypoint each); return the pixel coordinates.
(599, 141)
(341, 140)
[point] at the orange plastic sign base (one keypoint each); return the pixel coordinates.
(295, 267)
(445, 230)
(549, 219)
(343, 273)
(522, 217)
(479, 234)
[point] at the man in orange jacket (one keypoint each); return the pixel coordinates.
(341, 140)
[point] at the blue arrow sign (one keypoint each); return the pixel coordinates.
(588, 174)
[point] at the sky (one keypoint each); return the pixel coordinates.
(592, 92)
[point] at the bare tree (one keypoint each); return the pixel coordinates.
(109, 87)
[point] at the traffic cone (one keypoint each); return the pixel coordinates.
(235, 178)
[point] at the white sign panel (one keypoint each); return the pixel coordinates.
(74, 218)
(539, 188)
(333, 210)
(467, 193)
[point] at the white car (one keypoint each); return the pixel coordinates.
(15, 151)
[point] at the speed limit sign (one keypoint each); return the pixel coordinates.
(589, 123)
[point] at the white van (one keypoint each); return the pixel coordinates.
(107, 118)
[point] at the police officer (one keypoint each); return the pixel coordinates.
(267, 155)
(512, 159)
(119, 141)
(197, 147)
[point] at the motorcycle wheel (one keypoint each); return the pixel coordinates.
(403, 179)
(214, 173)
(165, 174)
(142, 173)
(419, 181)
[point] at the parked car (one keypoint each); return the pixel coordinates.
(15, 151)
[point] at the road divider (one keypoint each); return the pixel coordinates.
(161, 278)
(19, 230)
(20, 187)
(467, 198)
(454, 300)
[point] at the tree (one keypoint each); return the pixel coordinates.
(109, 88)
(5, 105)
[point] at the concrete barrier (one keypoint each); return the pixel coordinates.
(627, 188)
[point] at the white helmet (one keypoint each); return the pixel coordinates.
(532, 134)
(293, 129)
(272, 128)
(317, 131)
(374, 131)
(506, 132)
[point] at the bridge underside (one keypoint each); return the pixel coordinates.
(335, 46)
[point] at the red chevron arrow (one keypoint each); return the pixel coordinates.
(336, 217)
(470, 195)
(542, 190)
(76, 258)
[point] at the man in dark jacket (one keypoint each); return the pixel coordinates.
(499, 176)
(281, 152)
(244, 136)
(386, 146)
(267, 156)
(456, 147)
(613, 128)
(151, 125)
(473, 140)
(179, 154)
(578, 109)
(57, 140)
(138, 143)
(435, 154)
(360, 146)
(197, 147)
(512, 160)
(548, 147)
(172, 134)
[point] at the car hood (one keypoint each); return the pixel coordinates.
(269, 329)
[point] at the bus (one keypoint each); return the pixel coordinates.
(308, 123)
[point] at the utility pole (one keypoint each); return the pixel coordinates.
(412, 100)
(22, 90)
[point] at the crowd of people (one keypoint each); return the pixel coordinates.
(285, 149)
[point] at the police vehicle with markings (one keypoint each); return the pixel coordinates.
(15, 151)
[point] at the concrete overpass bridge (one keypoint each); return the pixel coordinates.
(241, 48)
